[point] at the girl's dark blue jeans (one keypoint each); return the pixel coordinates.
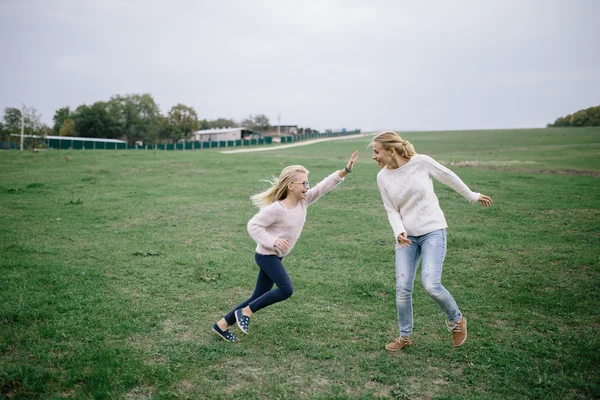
(272, 272)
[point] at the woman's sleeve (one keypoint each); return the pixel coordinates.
(258, 224)
(323, 187)
(449, 178)
(393, 213)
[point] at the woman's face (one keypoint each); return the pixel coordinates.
(381, 156)
(296, 188)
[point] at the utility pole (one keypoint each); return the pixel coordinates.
(22, 124)
(279, 125)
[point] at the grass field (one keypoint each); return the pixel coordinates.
(115, 264)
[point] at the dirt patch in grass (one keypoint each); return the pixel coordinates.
(178, 331)
(419, 388)
(574, 172)
(187, 386)
(139, 393)
(567, 214)
(497, 323)
(507, 168)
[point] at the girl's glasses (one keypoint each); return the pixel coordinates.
(305, 184)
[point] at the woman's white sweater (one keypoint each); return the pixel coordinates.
(409, 199)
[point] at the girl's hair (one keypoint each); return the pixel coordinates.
(391, 140)
(279, 188)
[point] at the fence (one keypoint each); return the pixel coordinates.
(305, 136)
(73, 143)
(85, 145)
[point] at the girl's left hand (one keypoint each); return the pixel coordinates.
(353, 158)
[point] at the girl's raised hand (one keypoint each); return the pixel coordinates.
(353, 158)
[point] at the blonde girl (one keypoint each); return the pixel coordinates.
(275, 229)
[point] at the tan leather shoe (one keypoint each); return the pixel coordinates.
(399, 343)
(459, 331)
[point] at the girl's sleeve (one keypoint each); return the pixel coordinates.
(323, 187)
(258, 224)
(393, 213)
(449, 178)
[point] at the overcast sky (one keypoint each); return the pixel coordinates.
(405, 65)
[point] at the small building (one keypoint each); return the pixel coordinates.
(224, 134)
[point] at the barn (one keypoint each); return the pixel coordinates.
(225, 134)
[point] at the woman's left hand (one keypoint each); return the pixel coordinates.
(485, 200)
(353, 158)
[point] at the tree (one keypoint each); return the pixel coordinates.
(588, 117)
(11, 125)
(31, 121)
(95, 121)
(580, 118)
(138, 116)
(204, 124)
(164, 131)
(44, 131)
(67, 128)
(221, 123)
(595, 116)
(258, 123)
(182, 121)
(12, 120)
(3, 132)
(60, 116)
(261, 123)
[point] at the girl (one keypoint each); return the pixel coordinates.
(419, 228)
(275, 229)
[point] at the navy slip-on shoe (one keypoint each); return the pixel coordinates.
(242, 321)
(225, 335)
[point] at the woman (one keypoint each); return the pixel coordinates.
(275, 229)
(419, 228)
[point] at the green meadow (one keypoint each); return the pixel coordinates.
(115, 264)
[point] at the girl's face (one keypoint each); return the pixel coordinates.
(381, 156)
(299, 186)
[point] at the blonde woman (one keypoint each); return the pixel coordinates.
(406, 187)
(275, 229)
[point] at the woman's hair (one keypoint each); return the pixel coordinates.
(279, 186)
(391, 140)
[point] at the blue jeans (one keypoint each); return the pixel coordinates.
(431, 247)
(271, 272)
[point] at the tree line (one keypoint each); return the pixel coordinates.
(134, 117)
(588, 117)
